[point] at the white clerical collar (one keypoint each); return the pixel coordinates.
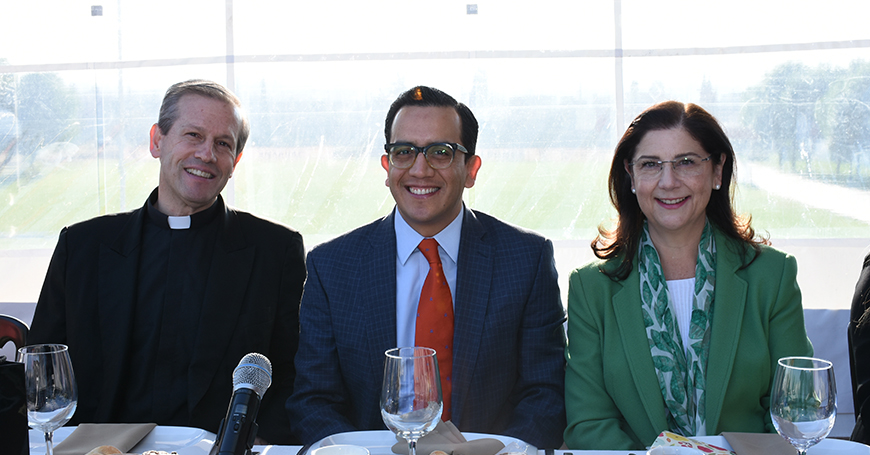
(407, 238)
(179, 222)
(192, 221)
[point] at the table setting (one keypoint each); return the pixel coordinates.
(128, 438)
(803, 409)
(194, 441)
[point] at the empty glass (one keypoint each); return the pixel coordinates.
(51, 388)
(411, 394)
(803, 400)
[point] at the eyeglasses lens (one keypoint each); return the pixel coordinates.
(439, 155)
(402, 156)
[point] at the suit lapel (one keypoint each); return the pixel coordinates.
(632, 333)
(228, 277)
(375, 292)
(728, 307)
(730, 300)
(473, 282)
(118, 275)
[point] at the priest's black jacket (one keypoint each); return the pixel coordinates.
(251, 304)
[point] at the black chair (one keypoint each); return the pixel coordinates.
(14, 330)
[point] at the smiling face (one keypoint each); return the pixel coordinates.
(429, 199)
(197, 155)
(674, 205)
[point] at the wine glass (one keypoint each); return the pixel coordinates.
(51, 388)
(803, 400)
(411, 394)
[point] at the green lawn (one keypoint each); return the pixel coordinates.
(323, 194)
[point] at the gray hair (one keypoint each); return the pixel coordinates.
(209, 89)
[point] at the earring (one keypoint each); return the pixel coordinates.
(633, 191)
(717, 187)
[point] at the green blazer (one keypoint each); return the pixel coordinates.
(612, 395)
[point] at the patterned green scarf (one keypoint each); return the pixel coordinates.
(681, 373)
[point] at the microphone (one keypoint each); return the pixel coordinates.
(239, 428)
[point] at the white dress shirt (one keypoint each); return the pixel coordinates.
(412, 268)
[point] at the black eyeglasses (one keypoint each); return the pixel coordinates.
(439, 155)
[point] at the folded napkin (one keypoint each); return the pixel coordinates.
(759, 444)
(666, 438)
(87, 436)
(446, 437)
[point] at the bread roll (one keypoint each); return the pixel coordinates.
(104, 450)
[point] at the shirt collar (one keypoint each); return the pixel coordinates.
(407, 238)
(194, 221)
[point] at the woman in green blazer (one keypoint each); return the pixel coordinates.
(680, 323)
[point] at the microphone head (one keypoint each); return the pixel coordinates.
(254, 372)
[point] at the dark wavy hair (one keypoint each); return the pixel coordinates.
(428, 96)
(208, 89)
(703, 127)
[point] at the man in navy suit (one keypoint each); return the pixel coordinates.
(363, 288)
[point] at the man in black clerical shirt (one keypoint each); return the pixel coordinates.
(158, 305)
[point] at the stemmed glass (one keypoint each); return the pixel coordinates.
(803, 400)
(51, 388)
(411, 394)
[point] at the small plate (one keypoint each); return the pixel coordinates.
(380, 442)
(184, 440)
(340, 449)
(673, 450)
(838, 447)
(826, 447)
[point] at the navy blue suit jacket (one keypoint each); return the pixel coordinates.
(508, 364)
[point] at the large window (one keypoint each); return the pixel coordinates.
(553, 84)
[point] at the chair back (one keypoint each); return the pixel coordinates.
(14, 330)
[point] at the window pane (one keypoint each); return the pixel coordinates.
(553, 84)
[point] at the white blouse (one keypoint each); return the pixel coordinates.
(681, 293)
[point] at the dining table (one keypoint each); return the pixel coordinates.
(193, 441)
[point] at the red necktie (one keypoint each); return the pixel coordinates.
(435, 319)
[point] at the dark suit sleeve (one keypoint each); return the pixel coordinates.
(275, 426)
(859, 344)
(65, 314)
(318, 407)
(539, 415)
(49, 320)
